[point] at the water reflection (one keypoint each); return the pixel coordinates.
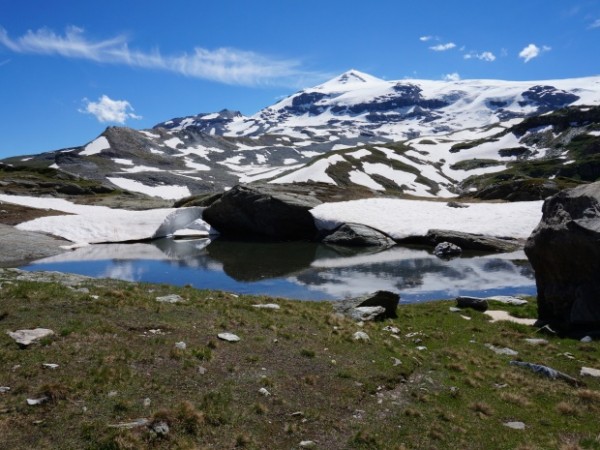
(299, 269)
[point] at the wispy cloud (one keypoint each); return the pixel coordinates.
(533, 51)
(109, 110)
(483, 56)
(595, 24)
(454, 76)
(224, 65)
(3, 63)
(443, 47)
(426, 38)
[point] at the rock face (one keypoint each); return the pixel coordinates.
(564, 251)
(356, 307)
(263, 211)
(358, 235)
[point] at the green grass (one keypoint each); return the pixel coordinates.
(323, 385)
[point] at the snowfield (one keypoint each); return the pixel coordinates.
(402, 218)
(97, 224)
(397, 217)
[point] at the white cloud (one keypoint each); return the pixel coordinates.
(533, 51)
(483, 56)
(224, 65)
(454, 76)
(595, 24)
(443, 47)
(425, 38)
(109, 110)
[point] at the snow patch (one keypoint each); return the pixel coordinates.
(402, 218)
(95, 147)
(167, 192)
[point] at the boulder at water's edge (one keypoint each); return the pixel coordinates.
(564, 251)
(263, 211)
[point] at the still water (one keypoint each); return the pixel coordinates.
(299, 270)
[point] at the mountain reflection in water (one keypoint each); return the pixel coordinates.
(300, 270)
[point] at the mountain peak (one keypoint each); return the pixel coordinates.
(351, 77)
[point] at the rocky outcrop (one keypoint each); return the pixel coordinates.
(564, 251)
(377, 306)
(263, 211)
(358, 235)
(466, 241)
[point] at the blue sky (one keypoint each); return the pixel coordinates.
(69, 69)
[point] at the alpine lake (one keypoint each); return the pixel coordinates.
(299, 270)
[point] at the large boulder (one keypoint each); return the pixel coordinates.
(564, 251)
(263, 211)
(358, 235)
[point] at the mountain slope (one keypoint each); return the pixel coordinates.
(416, 137)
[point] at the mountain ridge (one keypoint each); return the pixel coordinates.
(400, 137)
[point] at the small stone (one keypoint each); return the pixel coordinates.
(421, 348)
(171, 298)
(229, 337)
(267, 306)
(308, 444)
(508, 300)
(536, 341)
(147, 402)
(502, 350)
(297, 414)
(367, 313)
(112, 394)
(391, 329)
(515, 425)
(586, 339)
(590, 372)
(129, 425)
(95, 297)
(476, 303)
(264, 392)
(28, 337)
(454, 309)
(50, 366)
(4, 389)
(160, 428)
(37, 401)
(465, 317)
(396, 361)
(202, 370)
(361, 336)
(180, 345)
(446, 250)
(454, 391)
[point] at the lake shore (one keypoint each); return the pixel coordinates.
(136, 372)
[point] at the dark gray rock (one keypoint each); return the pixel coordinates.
(564, 251)
(358, 235)
(453, 204)
(466, 241)
(476, 303)
(263, 211)
(387, 300)
(446, 250)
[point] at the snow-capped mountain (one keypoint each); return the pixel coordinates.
(357, 106)
(418, 137)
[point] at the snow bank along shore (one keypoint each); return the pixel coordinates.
(397, 217)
